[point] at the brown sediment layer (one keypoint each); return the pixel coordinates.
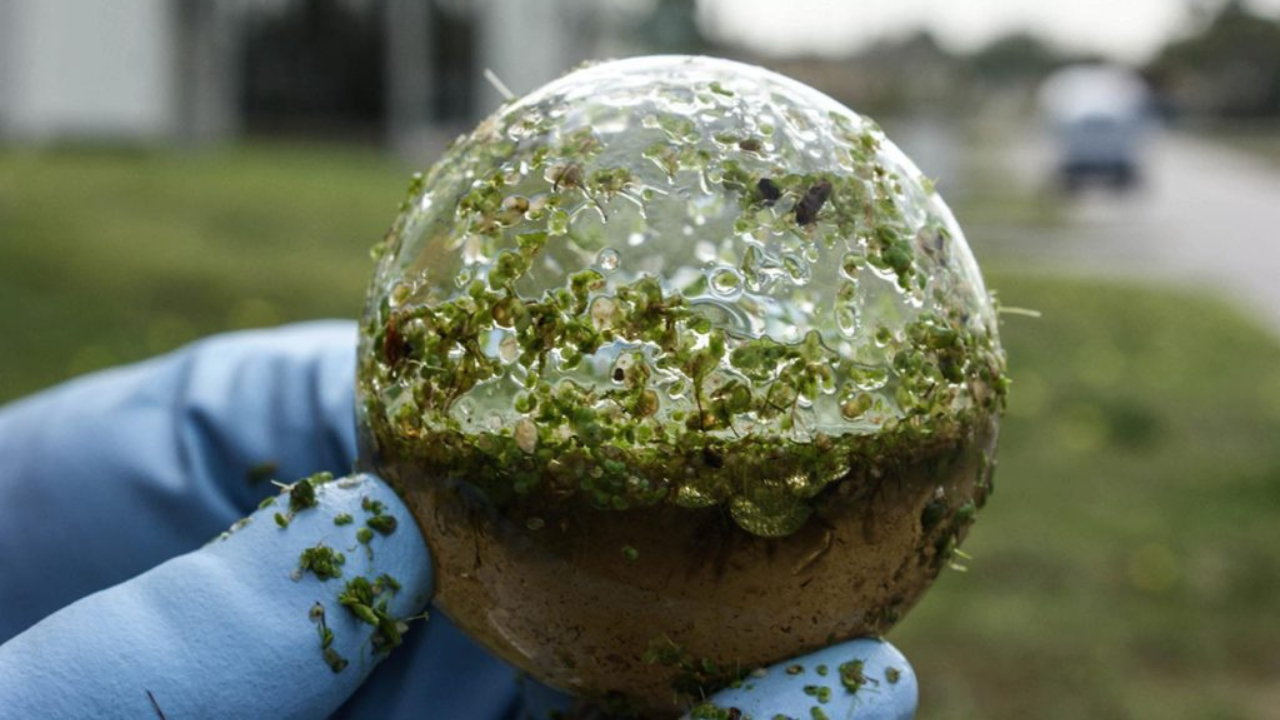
(626, 603)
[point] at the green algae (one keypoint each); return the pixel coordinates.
(514, 341)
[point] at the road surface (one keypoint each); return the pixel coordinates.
(1203, 214)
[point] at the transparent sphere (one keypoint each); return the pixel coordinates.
(680, 364)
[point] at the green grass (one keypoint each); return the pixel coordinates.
(111, 256)
(1128, 565)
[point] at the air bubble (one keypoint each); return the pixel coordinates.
(608, 260)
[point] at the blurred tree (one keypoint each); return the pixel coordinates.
(1230, 68)
(896, 76)
(672, 27)
(910, 74)
(1019, 58)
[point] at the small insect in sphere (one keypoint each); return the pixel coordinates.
(813, 200)
(395, 347)
(769, 191)
(569, 176)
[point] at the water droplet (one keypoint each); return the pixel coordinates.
(608, 260)
(725, 282)
(635, 239)
(847, 320)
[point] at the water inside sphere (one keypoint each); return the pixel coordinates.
(684, 369)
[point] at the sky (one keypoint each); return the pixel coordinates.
(1130, 30)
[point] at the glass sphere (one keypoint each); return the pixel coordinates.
(684, 369)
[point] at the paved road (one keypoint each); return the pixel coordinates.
(1203, 214)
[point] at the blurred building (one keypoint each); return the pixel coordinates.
(199, 71)
(133, 70)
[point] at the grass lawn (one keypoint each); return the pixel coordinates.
(112, 256)
(1127, 567)
(1129, 563)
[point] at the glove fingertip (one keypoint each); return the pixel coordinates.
(865, 678)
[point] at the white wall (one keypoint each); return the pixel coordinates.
(88, 69)
(6, 63)
(528, 43)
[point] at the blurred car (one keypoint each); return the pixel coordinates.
(1098, 116)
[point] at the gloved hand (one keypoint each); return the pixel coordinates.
(106, 476)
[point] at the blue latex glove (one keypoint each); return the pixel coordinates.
(105, 477)
(867, 679)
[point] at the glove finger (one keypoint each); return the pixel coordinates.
(158, 457)
(865, 678)
(283, 617)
